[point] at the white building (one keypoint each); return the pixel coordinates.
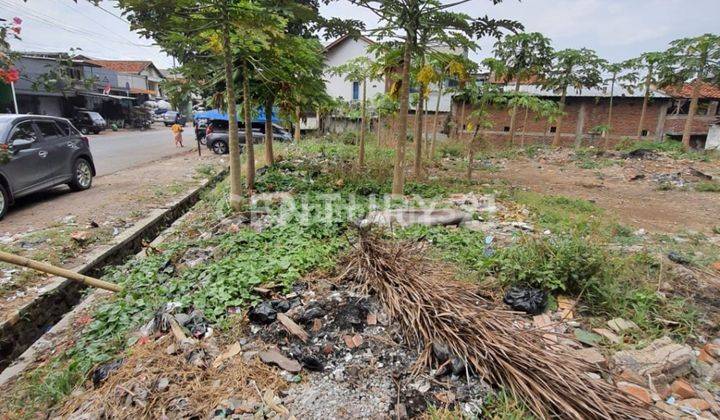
(340, 52)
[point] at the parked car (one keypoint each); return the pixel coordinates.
(89, 122)
(216, 135)
(171, 117)
(39, 152)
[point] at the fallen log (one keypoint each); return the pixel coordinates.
(57, 271)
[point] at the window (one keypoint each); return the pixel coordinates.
(644, 133)
(48, 129)
(451, 83)
(23, 131)
(553, 129)
(356, 91)
(66, 128)
(506, 128)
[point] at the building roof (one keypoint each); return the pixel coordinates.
(538, 90)
(124, 66)
(707, 91)
(340, 40)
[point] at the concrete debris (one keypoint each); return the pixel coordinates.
(591, 355)
(608, 335)
(619, 325)
(661, 357)
(274, 357)
(408, 217)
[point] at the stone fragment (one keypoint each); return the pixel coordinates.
(636, 391)
(662, 356)
(357, 340)
(590, 355)
(273, 357)
(710, 398)
(628, 375)
(669, 409)
(372, 319)
(712, 349)
(608, 335)
(695, 403)
(619, 325)
(683, 389)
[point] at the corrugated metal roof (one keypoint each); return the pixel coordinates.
(538, 90)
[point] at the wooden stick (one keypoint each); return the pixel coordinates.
(51, 269)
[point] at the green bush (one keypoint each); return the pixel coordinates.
(707, 186)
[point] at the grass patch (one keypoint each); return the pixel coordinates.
(707, 186)
(672, 148)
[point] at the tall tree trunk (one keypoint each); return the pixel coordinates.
(317, 121)
(417, 136)
(298, 116)
(363, 123)
(513, 114)
(249, 146)
(461, 123)
(426, 133)
(558, 127)
(608, 132)
(524, 130)
(646, 99)
(399, 168)
(269, 156)
(435, 121)
(233, 138)
(691, 113)
(378, 130)
(471, 152)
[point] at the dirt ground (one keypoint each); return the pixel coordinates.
(39, 225)
(641, 203)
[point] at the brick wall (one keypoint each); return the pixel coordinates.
(593, 112)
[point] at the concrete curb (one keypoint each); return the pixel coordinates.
(32, 320)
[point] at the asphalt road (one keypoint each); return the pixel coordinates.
(115, 151)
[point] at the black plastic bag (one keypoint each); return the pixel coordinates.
(528, 300)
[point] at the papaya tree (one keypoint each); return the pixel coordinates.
(360, 69)
(526, 56)
(404, 20)
(486, 96)
(695, 60)
(624, 74)
(652, 64)
(214, 33)
(572, 69)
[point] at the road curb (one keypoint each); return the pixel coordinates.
(29, 322)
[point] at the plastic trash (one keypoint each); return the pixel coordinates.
(528, 300)
(678, 258)
(263, 313)
(103, 371)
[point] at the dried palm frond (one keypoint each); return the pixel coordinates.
(432, 308)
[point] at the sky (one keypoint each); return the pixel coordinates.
(616, 29)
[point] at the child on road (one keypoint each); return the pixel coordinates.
(177, 131)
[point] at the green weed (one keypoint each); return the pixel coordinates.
(707, 186)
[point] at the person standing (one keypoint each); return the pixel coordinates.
(177, 133)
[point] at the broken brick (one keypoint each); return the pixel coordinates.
(683, 389)
(636, 391)
(357, 340)
(704, 356)
(712, 349)
(372, 319)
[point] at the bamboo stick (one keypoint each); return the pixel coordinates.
(51, 269)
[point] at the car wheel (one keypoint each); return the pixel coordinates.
(220, 148)
(4, 201)
(203, 140)
(81, 175)
(84, 130)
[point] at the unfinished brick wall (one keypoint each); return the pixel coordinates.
(582, 116)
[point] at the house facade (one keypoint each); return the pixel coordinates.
(340, 52)
(139, 78)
